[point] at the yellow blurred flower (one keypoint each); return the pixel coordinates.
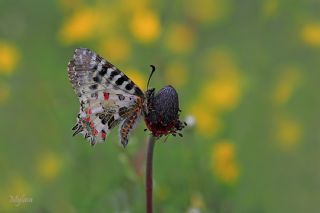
(115, 49)
(288, 133)
(82, 25)
(224, 91)
(49, 165)
(137, 78)
(270, 7)
(208, 11)
(145, 26)
(180, 39)
(5, 92)
(287, 83)
(9, 57)
(176, 74)
(16, 187)
(223, 94)
(197, 201)
(219, 60)
(223, 161)
(311, 34)
(208, 123)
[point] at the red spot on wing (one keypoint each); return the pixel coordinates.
(88, 119)
(103, 134)
(106, 96)
(89, 111)
(94, 132)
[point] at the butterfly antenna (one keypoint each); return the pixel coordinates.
(152, 71)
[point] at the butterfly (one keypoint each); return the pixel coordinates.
(109, 98)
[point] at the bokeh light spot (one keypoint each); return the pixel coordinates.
(224, 162)
(49, 166)
(289, 133)
(270, 7)
(9, 57)
(287, 83)
(180, 39)
(224, 88)
(311, 34)
(208, 11)
(176, 74)
(82, 25)
(116, 48)
(207, 122)
(145, 26)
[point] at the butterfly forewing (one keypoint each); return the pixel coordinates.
(107, 96)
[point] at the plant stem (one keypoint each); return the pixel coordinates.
(151, 143)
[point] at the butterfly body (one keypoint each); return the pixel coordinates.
(108, 98)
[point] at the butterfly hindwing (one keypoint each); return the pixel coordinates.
(107, 96)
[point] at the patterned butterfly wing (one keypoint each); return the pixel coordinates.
(107, 97)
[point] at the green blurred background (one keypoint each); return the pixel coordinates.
(247, 73)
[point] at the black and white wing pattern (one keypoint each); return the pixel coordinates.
(107, 97)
